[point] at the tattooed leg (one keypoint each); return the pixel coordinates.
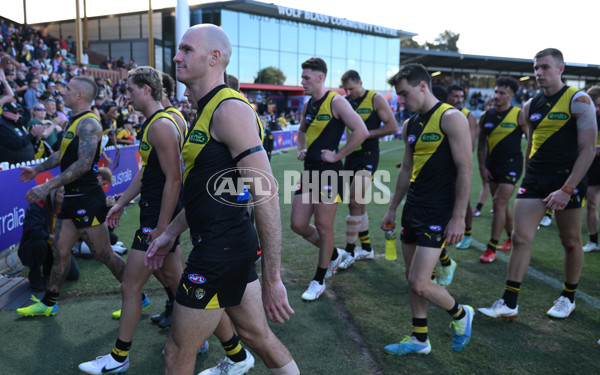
(65, 237)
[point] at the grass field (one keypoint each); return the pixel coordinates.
(362, 310)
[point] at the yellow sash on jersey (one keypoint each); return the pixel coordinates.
(507, 125)
(145, 146)
(321, 120)
(71, 132)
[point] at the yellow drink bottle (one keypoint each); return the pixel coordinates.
(390, 244)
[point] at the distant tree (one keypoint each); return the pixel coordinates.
(270, 75)
(446, 41)
(410, 43)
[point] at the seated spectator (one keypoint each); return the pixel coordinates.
(35, 248)
(6, 90)
(106, 63)
(125, 135)
(44, 146)
(16, 144)
(121, 63)
(281, 121)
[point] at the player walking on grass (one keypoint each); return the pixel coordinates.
(500, 159)
(373, 109)
(83, 211)
(435, 176)
(158, 183)
(562, 145)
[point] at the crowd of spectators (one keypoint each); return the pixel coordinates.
(35, 69)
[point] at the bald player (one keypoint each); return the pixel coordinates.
(224, 141)
(83, 210)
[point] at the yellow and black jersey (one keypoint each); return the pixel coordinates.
(503, 134)
(433, 179)
(69, 149)
(215, 203)
(365, 108)
(183, 132)
(554, 147)
(153, 177)
(465, 112)
(323, 131)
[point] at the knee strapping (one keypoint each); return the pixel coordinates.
(290, 369)
(314, 238)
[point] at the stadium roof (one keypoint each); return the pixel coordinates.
(459, 62)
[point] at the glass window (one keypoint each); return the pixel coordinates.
(249, 24)
(393, 51)
(248, 64)
(354, 47)
(269, 34)
(338, 49)
(367, 47)
(229, 23)
(307, 40)
(366, 75)
(336, 68)
(323, 42)
(234, 63)
(196, 17)
(380, 77)
(267, 59)
(289, 36)
(290, 67)
(380, 49)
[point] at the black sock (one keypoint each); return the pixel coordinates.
(445, 258)
(334, 254)
(479, 206)
(492, 244)
(365, 240)
(511, 293)
(169, 293)
(420, 329)
(50, 298)
(468, 231)
(594, 237)
(121, 350)
(457, 312)
(569, 291)
(320, 275)
(509, 234)
(350, 248)
(234, 349)
(433, 274)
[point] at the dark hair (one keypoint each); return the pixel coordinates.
(455, 88)
(413, 74)
(440, 93)
(233, 82)
(316, 64)
(168, 84)
(556, 54)
(508, 82)
(351, 75)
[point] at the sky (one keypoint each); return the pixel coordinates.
(515, 28)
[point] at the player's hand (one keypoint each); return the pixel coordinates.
(557, 200)
(155, 254)
(328, 156)
(486, 175)
(37, 193)
(275, 301)
(156, 232)
(27, 174)
(113, 215)
(389, 221)
(454, 231)
(302, 154)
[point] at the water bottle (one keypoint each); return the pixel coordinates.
(390, 243)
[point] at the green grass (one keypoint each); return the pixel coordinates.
(343, 332)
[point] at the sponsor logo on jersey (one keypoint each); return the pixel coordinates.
(510, 125)
(144, 146)
(488, 125)
(196, 279)
(558, 116)
(363, 111)
(198, 136)
(69, 135)
(430, 137)
(411, 139)
(323, 118)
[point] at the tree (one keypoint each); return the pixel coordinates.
(410, 43)
(446, 41)
(270, 75)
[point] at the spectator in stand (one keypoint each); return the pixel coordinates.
(16, 144)
(6, 91)
(56, 60)
(85, 59)
(126, 134)
(50, 134)
(132, 64)
(106, 63)
(31, 96)
(35, 248)
(121, 63)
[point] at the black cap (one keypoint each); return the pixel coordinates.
(11, 107)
